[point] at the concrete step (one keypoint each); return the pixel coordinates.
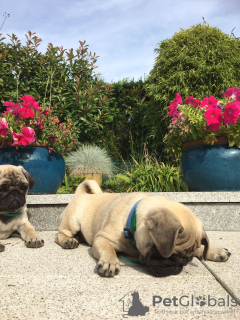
(219, 211)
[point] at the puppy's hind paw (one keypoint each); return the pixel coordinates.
(34, 243)
(223, 255)
(108, 269)
(2, 247)
(218, 254)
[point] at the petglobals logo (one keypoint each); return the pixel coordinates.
(191, 301)
(132, 305)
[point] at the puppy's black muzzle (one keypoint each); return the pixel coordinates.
(13, 201)
(164, 267)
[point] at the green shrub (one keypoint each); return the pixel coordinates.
(152, 176)
(148, 176)
(120, 183)
(125, 135)
(70, 184)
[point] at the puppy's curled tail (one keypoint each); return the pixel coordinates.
(88, 187)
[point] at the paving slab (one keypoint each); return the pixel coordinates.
(53, 283)
(231, 274)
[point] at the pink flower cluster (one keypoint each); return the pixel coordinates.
(215, 114)
(26, 123)
(3, 127)
(26, 109)
(26, 137)
(23, 110)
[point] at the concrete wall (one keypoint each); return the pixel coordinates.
(217, 210)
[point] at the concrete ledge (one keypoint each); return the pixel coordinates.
(218, 210)
(49, 199)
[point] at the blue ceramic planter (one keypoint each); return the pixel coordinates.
(212, 168)
(48, 169)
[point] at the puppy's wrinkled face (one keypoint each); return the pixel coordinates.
(169, 245)
(161, 266)
(14, 184)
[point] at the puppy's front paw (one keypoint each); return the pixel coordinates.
(71, 243)
(34, 243)
(108, 268)
(2, 247)
(218, 254)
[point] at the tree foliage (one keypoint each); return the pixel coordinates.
(126, 133)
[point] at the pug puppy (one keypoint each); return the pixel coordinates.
(14, 185)
(168, 235)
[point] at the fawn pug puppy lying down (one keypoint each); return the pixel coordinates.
(14, 184)
(167, 236)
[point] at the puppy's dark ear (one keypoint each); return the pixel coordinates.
(164, 227)
(30, 179)
(205, 243)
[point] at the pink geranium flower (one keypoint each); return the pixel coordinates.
(3, 127)
(39, 123)
(191, 100)
(174, 105)
(27, 113)
(25, 137)
(231, 113)
(209, 102)
(215, 126)
(13, 108)
(10, 104)
(29, 102)
(46, 111)
(233, 93)
(214, 118)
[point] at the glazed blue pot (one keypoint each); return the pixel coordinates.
(211, 168)
(48, 169)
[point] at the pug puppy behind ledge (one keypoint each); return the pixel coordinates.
(165, 236)
(14, 185)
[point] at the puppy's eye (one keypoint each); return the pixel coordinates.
(180, 230)
(4, 187)
(23, 186)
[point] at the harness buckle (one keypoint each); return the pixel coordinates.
(127, 233)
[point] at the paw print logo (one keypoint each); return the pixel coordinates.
(201, 301)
